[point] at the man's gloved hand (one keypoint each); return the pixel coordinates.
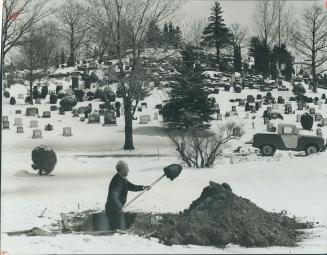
(146, 188)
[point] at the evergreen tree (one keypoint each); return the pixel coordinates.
(283, 60)
(188, 101)
(62, 57)
(216, 34)
(154, 37)
(262, 54)
(165, 33)
(172, 35)
(56, 60)
(237, 58)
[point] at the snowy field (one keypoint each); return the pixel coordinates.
(86, 163)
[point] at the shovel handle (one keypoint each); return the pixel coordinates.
(155, 182)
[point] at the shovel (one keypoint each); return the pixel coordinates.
(171, 172)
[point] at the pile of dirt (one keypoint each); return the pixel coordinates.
(219, 217)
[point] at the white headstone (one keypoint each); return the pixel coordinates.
(37, 134)
(20, 96)
(34, 124)
(18, 122)
(144, 119)
(324, 122)
(67, 131)
(275, 106)
(155, 116)
(4, 118)
(5, 125)
(20, 129)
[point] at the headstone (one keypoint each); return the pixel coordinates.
(101, 112)
(5, 124)
(48, 127)
(247, 115)
(241, 102)
(274, 115)
(20, 129)
(318, 117)
(75, 113)
(312, 111)
(300, 106)
(94, 118)
(32, 111)
(324, 122)
(266, 121)
(237, 131)
(144, 119)
(288, 108)
(61, 110)
(271, 127)
(82, 119)
(38, 101)
(155, 116)
(219, 116)
(159, 106)
(46, 114)
(18, 122)
(53, 108)
(252, 108)
(67, 131)
(298, 117)
(110, 119)
(5, 118)
(37, 134)
(139, 109)
(233, 108)
(18, 112)
(34, 124)
(319, 132)
(20, 96)
(144, 105)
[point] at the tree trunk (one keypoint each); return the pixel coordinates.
(314, 77)
(129, 145)
(31, 86)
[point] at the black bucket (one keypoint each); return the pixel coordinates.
(173, 171)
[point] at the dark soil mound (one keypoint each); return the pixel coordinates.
(219, 217)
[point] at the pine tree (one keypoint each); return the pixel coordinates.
(283, 60)
(216, 34)
(237, 58)
(154, 37)
(56, 60)
(188, 101)
(62, 57)
(262, 56)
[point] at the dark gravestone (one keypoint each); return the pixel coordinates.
(75, 113)
(159, 106)
(5, 118)
(94, 118)
(48, 127)
(18, 112)
(110, 119)
(61, 110)
(318, 117)
(74, 82)
(312, 111)
(37, 134)
(139, 109)
(46, 114)
(53, 108)
(20, 129)
(38, 101)
(32, 111)
(241, 102)
(5, 125)
(233, 108)
(144, 105)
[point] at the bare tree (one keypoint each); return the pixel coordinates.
(284, 22)
(200, 148)
(239, 33)
(128, 21)
(265, 16)
(310, 39)
(193, 32)
(74, 24)
(36, 51)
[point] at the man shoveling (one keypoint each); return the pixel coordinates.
(117, 196)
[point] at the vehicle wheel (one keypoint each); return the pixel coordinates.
(311, 149)
(267, 150)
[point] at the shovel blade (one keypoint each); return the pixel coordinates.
(172, 171)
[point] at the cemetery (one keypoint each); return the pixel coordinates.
(251, 143)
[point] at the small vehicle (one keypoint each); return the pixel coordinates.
(287, 138)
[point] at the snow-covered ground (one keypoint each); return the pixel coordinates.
(86, 162)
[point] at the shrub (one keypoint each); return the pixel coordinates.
(94, 77)
(28, 100)
(44, 92)
(269, 95)
(79, 94)
(44, 159)
(36, 93)
(53, 99)
(12, 101)
(200, 148)
(68, 101)
(280, 100)
(227, 87)
(238, 89)
(298, 89)
(323, 96)
(6, 94)
(307, 121)
(90, 95)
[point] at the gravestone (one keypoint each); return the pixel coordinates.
(319, 132)
(18, 112)
(101, 112)
(20, 129)
(38, 101)
(18, 122)
(20, 96)
(266, 121)
(53, 108)
(46, 114)
(110, 119)
(318, 117)
(247, 115)
(62, 110)
(269, 109)
(144, 105)
(298, 117)
(82, 119)
(5, 118)
(219, 116)
(324, 122)
(82, 110)
(93, 118)
(274, 115)
(139, 109)
(5, 125)
(300, 106)
(34, 124)
(252, 108)
(32, 111)
(237, 131)
(67, 131)
(48, 127)
(155, 116)
(37, 134)
(215, 91)
(312, 111)
(144, 119)
(159, 106)
(75, 113)
(241, 102)
(233, 108)
(288, 108)
(271, 127)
